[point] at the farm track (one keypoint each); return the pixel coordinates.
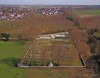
(53, 67)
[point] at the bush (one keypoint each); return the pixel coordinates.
(5, 37)
(36, 63)
(21, 42)
(96, 34)
(11, 61)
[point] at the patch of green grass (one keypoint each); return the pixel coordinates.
(10, 49)
(48, 73)
(78, 63)
(7, 50)
(88, 12)
(96, 34)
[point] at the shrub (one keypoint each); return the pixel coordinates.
(96, 34)
(11, 61)
(5, 37)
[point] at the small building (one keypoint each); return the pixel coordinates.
(50, 64)
(45, 36)
(54, 36)
(60, 36)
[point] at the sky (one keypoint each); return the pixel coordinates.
(51, 2)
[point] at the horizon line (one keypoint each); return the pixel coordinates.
(57, 4)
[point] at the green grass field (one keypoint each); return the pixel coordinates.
(8, 50)
(88, 12)
(14, 50)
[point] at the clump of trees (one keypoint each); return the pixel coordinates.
(94, 43)
(36, 63)
(20, 37)
(94, 40)
(96, 35)
(5, 37)
(70, 15)
(13, 62)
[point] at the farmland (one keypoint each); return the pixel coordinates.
(91, 22)
(60, 52)
(14, 50)
(10, 50)
(88, 12)
(89, 18)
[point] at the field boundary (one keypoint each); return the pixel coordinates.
(52, 67)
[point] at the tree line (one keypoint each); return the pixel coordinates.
(94, 43)
(70, 15)
(7, 37)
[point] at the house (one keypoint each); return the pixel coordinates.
(50, 11)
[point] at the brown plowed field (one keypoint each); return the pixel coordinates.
(91, 22)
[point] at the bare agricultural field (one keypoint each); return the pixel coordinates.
(89, 18)
(91, 22)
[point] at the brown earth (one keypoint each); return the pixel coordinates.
(91, 22)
